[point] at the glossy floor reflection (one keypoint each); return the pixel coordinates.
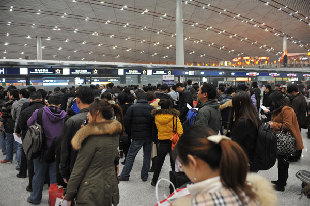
(135, 192)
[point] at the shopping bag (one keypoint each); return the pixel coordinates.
(55, 192)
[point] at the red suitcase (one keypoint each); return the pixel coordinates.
(55, 192)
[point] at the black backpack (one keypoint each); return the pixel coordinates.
(266, 148)
(33, 141)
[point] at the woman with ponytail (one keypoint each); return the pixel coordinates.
(218, 167)
(93, 180)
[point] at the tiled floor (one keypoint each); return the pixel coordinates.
(135, 192)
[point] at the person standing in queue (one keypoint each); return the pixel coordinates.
(285, 117)
(84, 97)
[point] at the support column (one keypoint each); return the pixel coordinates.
(39, 48)
(179, 34)
(284, 51)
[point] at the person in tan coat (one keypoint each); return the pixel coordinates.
(285, 117)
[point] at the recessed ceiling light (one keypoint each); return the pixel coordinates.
(75, 51)
(11, 8)
(67, 40)
(4, 57)
(9, 23)
(43, 47)
(82, 59)
(39, 11)
(75, 30)
(6, 43)
(28, 37)
(22, 53)
(4, 52)
(99, 44)
(25, 44)
(84, 42)
(7, 34)
(48, 38)
(60, 48)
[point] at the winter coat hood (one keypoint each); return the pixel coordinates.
(108, 127)
(164, 116)
(54, 117)
(154, 103)
(173, 112)
(214, 103)
(21, 101)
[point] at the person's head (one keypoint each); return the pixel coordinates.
(268, 88)
(43, 93)
(158, 87)
(277, 99)
(277, 87)
(150, 96)
(35, 96)
(254, 85)
(84, 96)
(292, 89)
(173, 88)
(57, 89)
(141, 95)
(250, 91)
(242, 87)
(205, 155)
(23, 93)
(164, 88)
(55, 99)
(206, 92)
(107, 96)
(283, 90)
(244, 108)
(101, 87)
(165, 104)
(31, 89)
(101, 110)
(13, 94)
(123, 98)
(179, 87)
(189, 82)
(110, 85)
(221, 89)
(231, 90)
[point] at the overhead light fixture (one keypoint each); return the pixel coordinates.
(43, 47)
(25, 44)
(82, 59)
(75, 30)
(67, 40)
(39, 11)
(87, 18)
(4, 52)
(11, 8)
(84, 42)
(7, 34)
(22, 53)
(75, 51)
(48, 38)
(99, 44)
(9, 23)
(60, 48)
(6, 43)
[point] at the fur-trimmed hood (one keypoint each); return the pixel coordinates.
(173, 112)
(108, 127)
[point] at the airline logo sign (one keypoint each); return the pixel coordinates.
(274, 74)
(168, 77)
(252, 74)
(40, 71)
(81, 71)
(291, 75)
(132, 72)
(161, 72)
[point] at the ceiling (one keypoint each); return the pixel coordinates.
(143, 31)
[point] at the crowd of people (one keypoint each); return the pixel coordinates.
(88, 129)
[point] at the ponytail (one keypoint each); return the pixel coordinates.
(234, 166)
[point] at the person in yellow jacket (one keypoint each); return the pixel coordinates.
(167, 121)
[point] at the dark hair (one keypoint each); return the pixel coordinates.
(165, 104)
(174, 88)
(106, 95)
(254, 85)
(179, 85)
(108, 111)
(55, 98)
(164, 87)
(141, 95)
(43, 93)
(150, 96)
(292, 88)
(209, 89)
(14, 93)
(189, 82)
(242, 87)
(85, 94)
(278, 101)
(268, 87)
(110, 85)
(24, 92)
(123, 98)
(244, 108)
(31, 89)
(57, 89)
(11, 87)
(227, 156)
(36, 95)
(222, 87)
(230, 90)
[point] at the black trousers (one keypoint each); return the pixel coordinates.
(30, 168)
(283, 165)
(23, 164)
(164, 147)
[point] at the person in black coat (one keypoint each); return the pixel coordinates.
(185, 98)
(246, 124)
(138, 123)
(22, 128)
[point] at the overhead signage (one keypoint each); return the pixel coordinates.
(15, 71)
(168, 77)
(306, 75)
(2, 71)
(291, 75)
(274, 74)
(133, 71)
(252, 74)
(44, 71)
(160, 72)
(211, 73)
(81, 71)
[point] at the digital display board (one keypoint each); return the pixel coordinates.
(132, 71)
(44, 71)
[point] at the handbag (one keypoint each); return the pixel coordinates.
(175, 137)
(286, 142)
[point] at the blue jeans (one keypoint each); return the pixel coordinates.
(2, 142)
(18, 153)
(9, 147)
(40, 169)
(132, 153)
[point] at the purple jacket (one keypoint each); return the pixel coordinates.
(53, 123)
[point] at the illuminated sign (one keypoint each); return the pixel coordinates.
(291, 75)
(252, 74)
(160, 72)
(133, 71)
(81, 71)
(306, 75)
(274, 74)
(2, 71)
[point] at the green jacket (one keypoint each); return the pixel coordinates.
(93, 180)
(209, 115)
